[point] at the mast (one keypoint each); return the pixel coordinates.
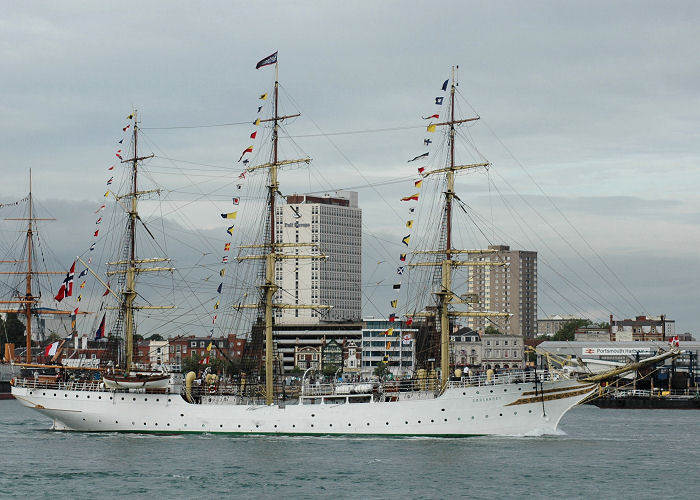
(130, 290)
(131, 263)
(274, 249)
(28, 300)
(445, 296)
(28, 294)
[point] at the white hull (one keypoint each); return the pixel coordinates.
(505, 409)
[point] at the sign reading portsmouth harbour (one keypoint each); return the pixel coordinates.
(615, 351)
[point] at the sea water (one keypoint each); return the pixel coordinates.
(597, 454)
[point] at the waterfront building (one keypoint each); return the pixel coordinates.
(502, 351)
(186, 346)
(510, 288)
(592, 333)
(552, 324)
(290, 339)
(335, 224)
(642, 328)
(466, 348)
(389, 342)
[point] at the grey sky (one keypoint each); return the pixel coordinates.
(597, 101)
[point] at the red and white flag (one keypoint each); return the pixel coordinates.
(51, 349)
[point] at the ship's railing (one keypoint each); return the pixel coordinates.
(70, 385)
(427, 384)
(509, 377)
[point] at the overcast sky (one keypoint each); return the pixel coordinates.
(589, 115)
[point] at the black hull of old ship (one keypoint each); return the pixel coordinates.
(646, 402)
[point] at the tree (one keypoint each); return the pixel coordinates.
(381, 370)
(155, 336)
(492, 330)
(191, 363)
(329, 370)
(566, 332)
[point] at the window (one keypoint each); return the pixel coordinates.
(193, 344)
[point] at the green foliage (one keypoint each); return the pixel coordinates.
(12, 330)
(566, 332)
(492, 330)
(329, 370)
(191, 363)
(381, 370)
(296, 370)
(155, 336)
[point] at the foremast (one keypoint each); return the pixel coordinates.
(445, 296)
(130, 266)
(273, 250)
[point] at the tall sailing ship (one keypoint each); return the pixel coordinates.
(24, 295)
(437, 403)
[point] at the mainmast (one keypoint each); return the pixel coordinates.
(445, 296)
(132, 269)
(28, 300)
(274, 249)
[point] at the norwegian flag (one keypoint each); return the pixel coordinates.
(66, 289)
(674, 341)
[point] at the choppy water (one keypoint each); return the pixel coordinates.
(599, 454)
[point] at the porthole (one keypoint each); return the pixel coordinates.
(157, 400)
(276, 426)
(133, 399)
(83, 420)
(144, 423)
(168, 425)
(169, 400)
(116, 421)
(256, 426)
(464, 394)
(145, 399)
(122, 398)
(99, 397)
(88, 396)
(313, 414)
(486, 416)
(472, 417)
(100, 421)
(202, 426)
(491, 390)
(406, 422)
(349, 424)
(368, 424)
(529, 411)
(505, 390)
(419, 421)
(445, 420)
(387, 423)
(65, 395)
(110, 398)
(520, 388)
(442, 409)
(329, 425)
(312, 425)
(500, 414)
(44, 394)
(182, 415)
(133, 423)
(76, 395)
(293, 426)
(459, 419)
(54, 394)
(515, 413)
(477, 392)
(156, 424)
(432, 421)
